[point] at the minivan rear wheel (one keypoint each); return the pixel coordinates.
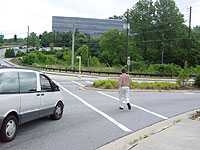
(58, 111)
(8, 129)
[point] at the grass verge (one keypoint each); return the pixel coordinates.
(113, 84)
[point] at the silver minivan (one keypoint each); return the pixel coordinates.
(26, 95)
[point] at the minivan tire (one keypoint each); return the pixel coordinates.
(9, 129)
(58, 112)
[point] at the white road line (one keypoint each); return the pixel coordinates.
(121, 126)
(136, 106)
(78, 83)
(189, 93)
(89, 82)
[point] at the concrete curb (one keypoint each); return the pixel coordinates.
(131, 140)
(10, 63)
(138, 90)
(115, 90)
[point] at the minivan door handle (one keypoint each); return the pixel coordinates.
(37, 94)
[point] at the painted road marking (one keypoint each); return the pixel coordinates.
(121, 126)
(89, 82)
(80, 84)
(136, 106)
(189, 93)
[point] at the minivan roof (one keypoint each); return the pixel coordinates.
(16, 70)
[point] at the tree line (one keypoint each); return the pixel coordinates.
(157, 35)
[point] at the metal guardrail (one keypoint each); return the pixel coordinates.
(110, 73)
(99, 73)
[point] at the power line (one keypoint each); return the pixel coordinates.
(175, 39)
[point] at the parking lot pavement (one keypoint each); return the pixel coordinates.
(92, 119)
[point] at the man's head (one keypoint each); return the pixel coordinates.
(124, 70)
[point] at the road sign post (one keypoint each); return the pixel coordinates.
(128, 63)
(73, 43)
(79, 66)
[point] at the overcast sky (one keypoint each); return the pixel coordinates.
(15, 15)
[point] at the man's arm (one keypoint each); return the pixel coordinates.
(119, 81)
(129, 81)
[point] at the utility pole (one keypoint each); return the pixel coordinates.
(189, 37)
(73, 43)
(27, 46)
(79, 66)
(190, 20)
(163, 49)
(127, 35)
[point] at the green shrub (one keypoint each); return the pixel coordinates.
(94, 62)
(170, 69)
(99, 83)
(138, 66)
(20, 54)
(106, 84)
(38, 58)
(9, 53)
(60, 54)
(50, 60)
(67, 57)
(183, 77)
(30, 59)
(113, 84)
(154, 85)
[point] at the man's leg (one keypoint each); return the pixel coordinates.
(121, 98)
(127, 97)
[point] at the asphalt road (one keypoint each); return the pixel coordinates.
(92, 119)
(2, 52)
(2, 62)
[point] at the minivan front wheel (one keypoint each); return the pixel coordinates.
(58, 111)
(8, 129)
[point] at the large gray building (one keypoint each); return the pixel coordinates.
(89, 26)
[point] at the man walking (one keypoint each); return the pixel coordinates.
(124, 83)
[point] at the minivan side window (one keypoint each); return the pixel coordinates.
(45, 84)
(28, 82)
(9, 83)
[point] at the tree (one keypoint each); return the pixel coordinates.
(159, 28)
(83, 51)
(67, 57)
(34, 40)
(142, 23)
(15, 37)
(62, 39)
(112, 45)
(44, 41)
(169, 21)
(81, 39)
(196, 34)
(1, 39)
(9, 53)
